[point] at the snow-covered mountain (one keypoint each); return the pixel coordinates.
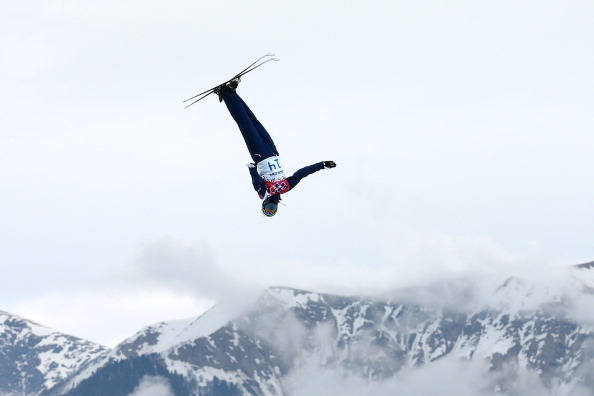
(34, 358)
(509, 328)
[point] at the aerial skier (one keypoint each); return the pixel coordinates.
(268, 175)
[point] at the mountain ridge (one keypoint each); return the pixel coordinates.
(530, 328)
(50, 356)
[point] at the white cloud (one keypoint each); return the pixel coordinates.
(153, 386)
(190, 269)
(443, 378)
(448, 376)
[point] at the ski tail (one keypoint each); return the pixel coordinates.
(248, 69)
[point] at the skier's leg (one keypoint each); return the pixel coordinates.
(258, 148)
(261, 130)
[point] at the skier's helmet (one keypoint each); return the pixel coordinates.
(269, 207)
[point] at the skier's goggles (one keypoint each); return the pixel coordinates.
(269, 209)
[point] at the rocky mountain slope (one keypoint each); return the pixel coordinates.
(34, 358)
(526, 328)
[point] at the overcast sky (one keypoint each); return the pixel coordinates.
(462, 130)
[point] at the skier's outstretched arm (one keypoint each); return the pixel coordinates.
(257, 181)
(308, 170)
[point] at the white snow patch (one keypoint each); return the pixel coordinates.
(294, 298)
(493, 340)
(172, 334)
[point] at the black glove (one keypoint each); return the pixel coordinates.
(329, 164)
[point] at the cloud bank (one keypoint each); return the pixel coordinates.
(153, 386)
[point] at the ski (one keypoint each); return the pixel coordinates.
(259, 62)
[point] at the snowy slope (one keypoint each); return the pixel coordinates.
(157, 339)
(34, 358)
(504, 322)
(509, 324)
(163, 336)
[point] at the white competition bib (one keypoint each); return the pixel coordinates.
(271, 169)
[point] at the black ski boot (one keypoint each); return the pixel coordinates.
(218, 91)
(231, 85)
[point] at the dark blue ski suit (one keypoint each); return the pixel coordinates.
(268, 175)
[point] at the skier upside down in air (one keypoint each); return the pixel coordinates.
(268, 175)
